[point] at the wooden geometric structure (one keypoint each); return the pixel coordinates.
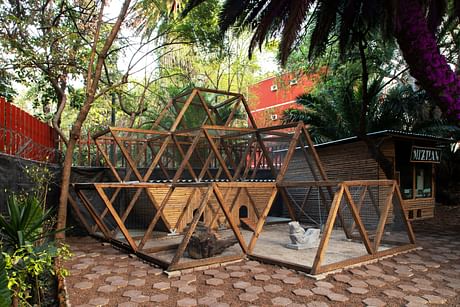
(198, 163)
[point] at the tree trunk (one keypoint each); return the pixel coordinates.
(65, 181)
(427, 65)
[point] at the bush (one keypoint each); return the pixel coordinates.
(28, 252)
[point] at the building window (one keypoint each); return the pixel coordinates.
(293, 82)
(423, 180)
(415, 178)
(406, 181)
(274, 117)
(274, 88)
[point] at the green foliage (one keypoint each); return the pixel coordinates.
(27, 268)
(5, 292)
(24, 223)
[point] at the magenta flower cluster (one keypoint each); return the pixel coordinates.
(427, 64)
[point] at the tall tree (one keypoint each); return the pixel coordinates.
(406, 21)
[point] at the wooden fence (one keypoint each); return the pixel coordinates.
(25, 136)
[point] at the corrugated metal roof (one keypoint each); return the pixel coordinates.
(392, 133)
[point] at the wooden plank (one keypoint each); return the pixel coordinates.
(205, 168)
(156, 207)
(209, 90)
(232, 114)
(152, 259)
(290, 152)
(364, 258)
(162, 248)
(206, 108)
(359, 223)
(227, 193)
(116, 217)
(252, 202)
(280, 263)
(205, 262)
(243, 158)
(127, 156)
(327, 229)
(248, 223)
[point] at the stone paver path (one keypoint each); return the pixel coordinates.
(104, 276)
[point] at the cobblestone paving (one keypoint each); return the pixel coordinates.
(103, 276)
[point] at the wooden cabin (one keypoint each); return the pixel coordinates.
(413, 156)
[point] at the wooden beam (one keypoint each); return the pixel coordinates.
(228, 215)
(205, 262)
(107, 160)
(183, 110)
(186, 158)
(92, 212)
(183, 245)
(218, 156)
(261, 221)
(349, 262)
(406, 222)
(327, 229)
(358, 207)
(156, 217)
(383, 218)
(74, 205)
(357, 219)
(116, 217)
(187, 205)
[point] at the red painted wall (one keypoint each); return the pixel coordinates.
(264, 102)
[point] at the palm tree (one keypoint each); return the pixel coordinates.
(349, 22)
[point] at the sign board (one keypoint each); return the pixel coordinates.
(425, 154)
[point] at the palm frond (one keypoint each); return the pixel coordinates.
(190, 5)
(325, 21)
(436, 11)
(269, 20)
(457, 8)
(297, 13)
(347, 21)
(232, 10)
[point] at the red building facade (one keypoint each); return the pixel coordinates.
(270, 97)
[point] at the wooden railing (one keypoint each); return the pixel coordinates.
(87, 154)
(25, 136)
